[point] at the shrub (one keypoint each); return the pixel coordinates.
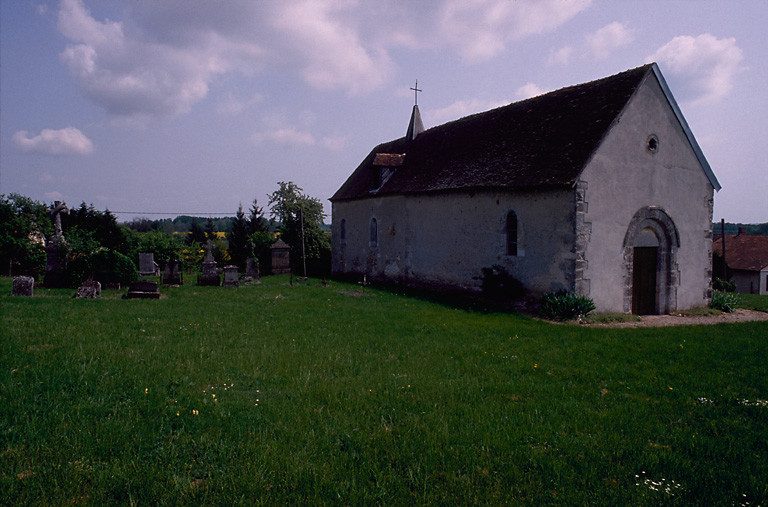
(724, 301)
(497, 283)
(106, 266)
(564, 305)
(723, 285)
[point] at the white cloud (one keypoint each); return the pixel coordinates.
(560, 56)
(54, 196)
(162, 58)
(291, 136)
(130, 77)
(335, 143)
(66, 141)
(705, 65)
(329, 50)
(608, 38)
(232, 105)
(287, 136)
(480, 29)
(528, 90)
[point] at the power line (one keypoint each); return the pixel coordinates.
(168, 213)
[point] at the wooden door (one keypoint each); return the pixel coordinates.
(644, 268)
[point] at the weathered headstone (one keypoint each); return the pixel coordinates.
(231, 276)
(147, 265)
(251, 268)
(143, 289)
(56, 250)
(23, 286)
(90, 289)
(281, 257)
(171, 273)
(210, 274)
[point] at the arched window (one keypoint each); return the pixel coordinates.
(374, 232)
(343, 229)
(511, 233)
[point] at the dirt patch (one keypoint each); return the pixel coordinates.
(676, 319)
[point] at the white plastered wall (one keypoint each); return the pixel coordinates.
(623, 177)
(446, 239)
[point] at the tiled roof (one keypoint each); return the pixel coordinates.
(743, 251)
(542, 141)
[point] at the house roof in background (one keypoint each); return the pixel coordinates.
(539, 142)
(743, 251)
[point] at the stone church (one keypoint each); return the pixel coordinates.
(598, 188)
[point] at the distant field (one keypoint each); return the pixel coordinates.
(273, 394)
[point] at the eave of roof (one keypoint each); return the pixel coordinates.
(686, 129)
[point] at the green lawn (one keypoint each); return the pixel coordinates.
(273, 394)
(753, 302)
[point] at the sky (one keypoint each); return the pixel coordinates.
(156, 109)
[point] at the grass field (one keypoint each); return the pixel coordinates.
(753, 302)
(272, 394)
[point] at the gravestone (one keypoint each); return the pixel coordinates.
(143, 289)
(210, 275)
(147, 265)
(251, 268)
(230, 276)
(281, 258)
(171, 273)
(56, 250)
(23, 286)
(90, 289)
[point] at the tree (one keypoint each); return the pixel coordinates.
(301, 219)
(103, 227)
(256, 220)
(210, 230)
(240, 247)
(143, 224)
(196, 234)
(24, 224)
(163, 245)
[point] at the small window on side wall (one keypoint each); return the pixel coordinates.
(374, 239)
(343, 229)
(511, 233)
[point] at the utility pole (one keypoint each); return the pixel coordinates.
(722, 231)
(303, 253)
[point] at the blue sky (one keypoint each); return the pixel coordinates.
(194, 107)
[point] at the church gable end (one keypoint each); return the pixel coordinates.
(648, 161)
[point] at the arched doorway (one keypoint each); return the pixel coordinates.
(650, 263)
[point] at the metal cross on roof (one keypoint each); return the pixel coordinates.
(416, 93)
